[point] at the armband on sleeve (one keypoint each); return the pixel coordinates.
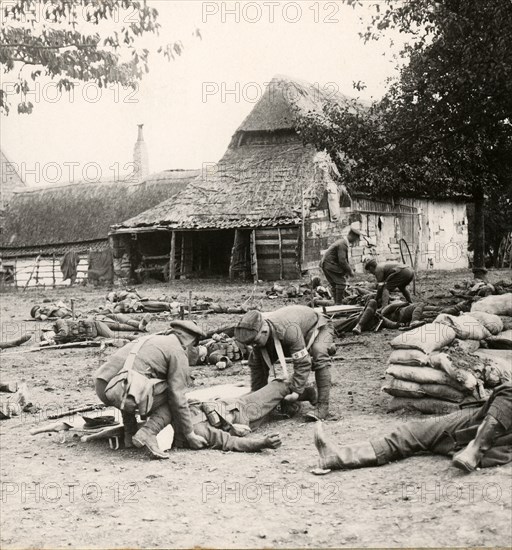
(300, 354)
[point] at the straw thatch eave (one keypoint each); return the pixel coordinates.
(83, 212)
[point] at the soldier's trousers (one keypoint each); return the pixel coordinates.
(336, 280)
(157, 418)
(444, 435)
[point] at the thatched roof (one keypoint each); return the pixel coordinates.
(259, 181)
(81, 213)
(284, 99)
(253, 185)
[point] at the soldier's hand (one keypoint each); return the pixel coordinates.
(291, 396)
(196, 441)
(273, 441)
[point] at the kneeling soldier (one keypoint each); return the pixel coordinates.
(151, 375)
(298, 332)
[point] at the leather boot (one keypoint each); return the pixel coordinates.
(309, 394)
(339, 294)
(130, 428)
(323, 386)
(469, 458)
(146, 436)
(358, 455)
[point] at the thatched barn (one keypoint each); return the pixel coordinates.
(271, 206)
(46, 222)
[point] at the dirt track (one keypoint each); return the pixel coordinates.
(72, 494)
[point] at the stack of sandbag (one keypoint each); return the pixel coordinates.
(423, 379)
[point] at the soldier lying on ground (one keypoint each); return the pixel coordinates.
(69, 330)
(390, 275)
(128, 301)
(400, 315)
(292, 331)
(150, 375)
(394, 315)
(224, 423)
(43, 312)
(481, 437)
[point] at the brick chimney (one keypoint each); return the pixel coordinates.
(140, 156)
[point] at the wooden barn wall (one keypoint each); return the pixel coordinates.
(436, 232)
(277, 252)
(46, 273)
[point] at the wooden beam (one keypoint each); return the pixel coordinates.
(172, 257)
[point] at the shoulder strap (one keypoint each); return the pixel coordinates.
(280, 353)
(128, 364)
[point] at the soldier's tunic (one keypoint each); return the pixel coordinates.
(161, 357)
(336, 267)
(249, 409)
(294, 327)
(395, 275)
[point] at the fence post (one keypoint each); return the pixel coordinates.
(53, 270)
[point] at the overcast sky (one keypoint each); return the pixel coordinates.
(183, 126)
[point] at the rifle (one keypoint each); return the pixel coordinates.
(69, 412)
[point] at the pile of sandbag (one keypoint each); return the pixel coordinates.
(436, 367)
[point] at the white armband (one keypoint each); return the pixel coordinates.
(300, 354)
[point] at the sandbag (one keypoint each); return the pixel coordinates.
(427, 405)
(499, 367)
(467, 346)
(497, 304)
(408, 357)
(464, 380)
(501, 341)
(491, 322)
(427, 338)
(443, 391)
(421, 375)
(465, 326)
(402, 388)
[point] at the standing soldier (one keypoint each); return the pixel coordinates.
(390, 275)
(297, 332)
(335, 264)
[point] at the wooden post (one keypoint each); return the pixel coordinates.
(16, 272)
(37, 269)
(182, 259)
(281, 267)
(303, 228)
(31, 273)
(53, 269)
(232, 259)
(189, 304)
(172, 257)
(254, 256)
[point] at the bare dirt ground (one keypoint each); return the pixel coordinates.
(72, 494)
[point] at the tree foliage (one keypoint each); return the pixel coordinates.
(443, 129)
(74, 40)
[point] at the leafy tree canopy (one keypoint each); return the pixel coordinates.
(75, 40)
(443, 129)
